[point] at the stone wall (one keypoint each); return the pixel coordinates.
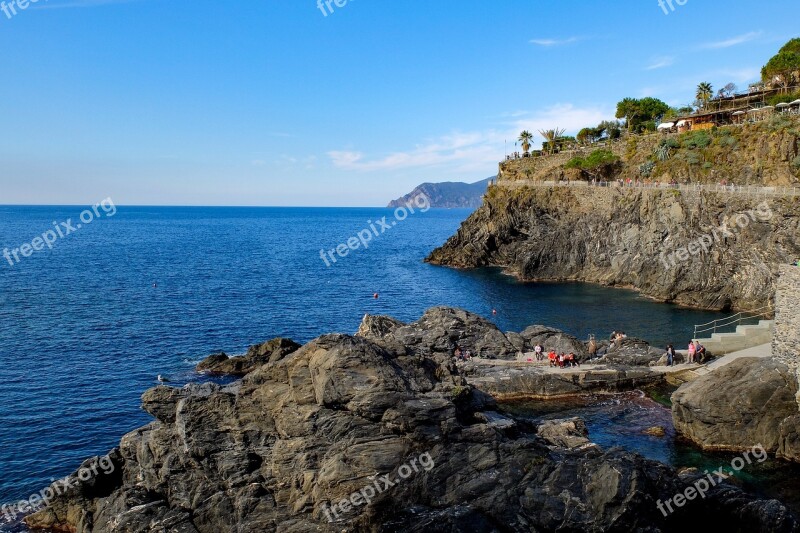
(786, 341)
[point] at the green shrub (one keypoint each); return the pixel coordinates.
(690, 157)
(779, 123)
(727, 141)
(646, 170)
(708, 165)
(696, 139)
(796, 163)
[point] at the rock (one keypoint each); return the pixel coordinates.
(286, 446)
(553, 339)
(524, 381)
(268, 352)
(632, 352)
(439, 332)
(789, 440)
(568, 433)
(737, 406)
(630, 238)
(655, 431)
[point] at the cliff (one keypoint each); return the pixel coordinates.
(448, 195)
(687, 248)
(765, 153)
(703, 248)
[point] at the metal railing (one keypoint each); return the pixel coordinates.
(734, 320)
(753, 190)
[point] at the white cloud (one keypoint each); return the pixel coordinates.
(473, 151)
(734, 41)
(554, 42)
(660, 62)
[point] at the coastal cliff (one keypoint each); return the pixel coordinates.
(715, 249)
(650, 240)
(378, 432)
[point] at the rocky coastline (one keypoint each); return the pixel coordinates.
(295, 443)
(650, 240)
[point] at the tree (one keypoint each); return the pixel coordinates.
(638, 113)
(610, 128)
(599, 164)
(551, 136)
(783, 69)
(704, 93)
(525, 138)
(628, 109)
(589, 135)
(792, 47)
(730, 89)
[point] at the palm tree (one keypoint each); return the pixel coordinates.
(704, 93)
(551, 136)
(525, 138)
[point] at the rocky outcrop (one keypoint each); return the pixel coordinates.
(524, 382)
(570, 433)
(257, 355)
(744, 403)
(650, 240)
(351, 434)
(450, 195)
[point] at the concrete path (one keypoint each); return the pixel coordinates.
(693, 371)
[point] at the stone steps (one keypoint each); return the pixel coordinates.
(745, 337)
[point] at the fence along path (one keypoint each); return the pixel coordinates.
(752, 190)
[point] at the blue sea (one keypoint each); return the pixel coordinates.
(85, 327)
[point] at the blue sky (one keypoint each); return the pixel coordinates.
(267, 102)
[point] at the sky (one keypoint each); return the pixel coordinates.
(275, 103)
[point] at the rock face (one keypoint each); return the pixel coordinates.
(447, 195)
(738, 406)
(649, 240)
(523, 381)
(331, 432)
(257, 355)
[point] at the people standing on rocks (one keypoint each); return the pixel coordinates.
(539, 351)
(700, 352)
(692, 352)
(670, 355)
(592, 348)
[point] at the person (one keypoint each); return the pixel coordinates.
(700, 352)
(561, 360)
(552, 357)
(571, 359)
(692, 351)
(592, 348)
(457, 353)
(467, 355)
(539, 351)
(670, 355)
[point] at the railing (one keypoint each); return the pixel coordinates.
(765, 312)
(753, 190)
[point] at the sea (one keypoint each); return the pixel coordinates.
(93, 307)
